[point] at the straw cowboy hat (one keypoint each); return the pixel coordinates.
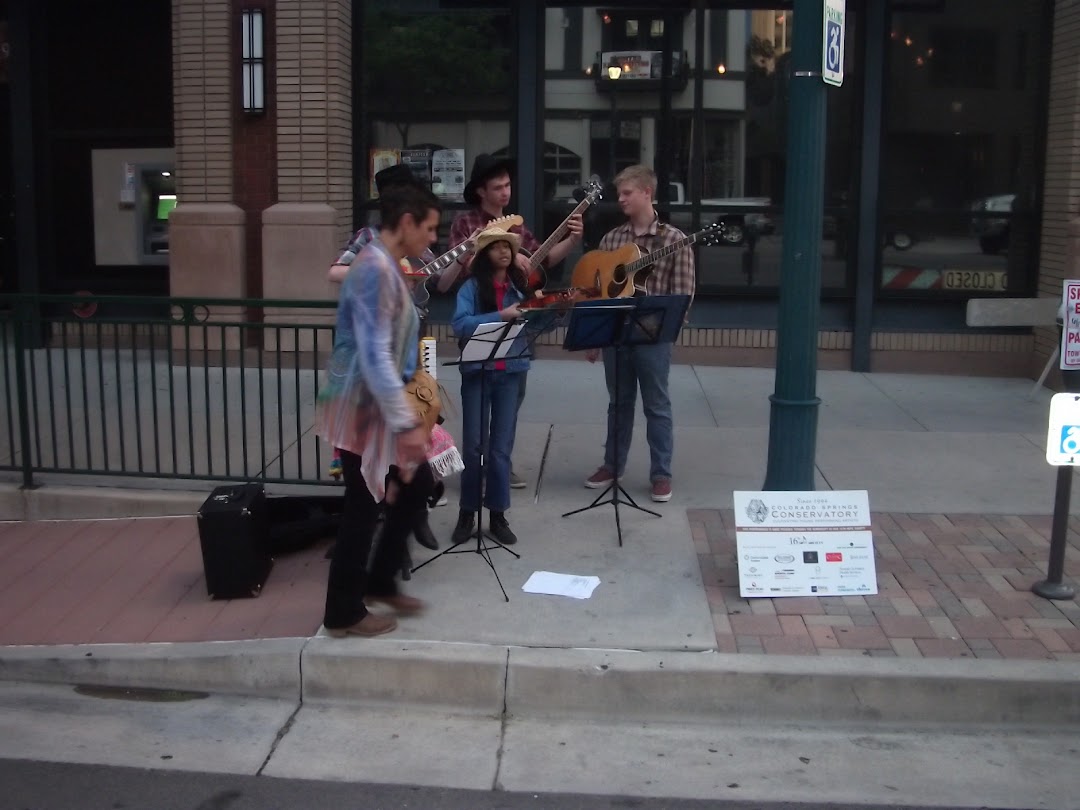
(491, 235)
(483, 169)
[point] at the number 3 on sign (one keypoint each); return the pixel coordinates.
(1070, 440)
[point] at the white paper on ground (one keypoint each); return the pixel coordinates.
(572, 585)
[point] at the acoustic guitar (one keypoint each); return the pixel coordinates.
(537, 277)
(418, 279)
(624, 272)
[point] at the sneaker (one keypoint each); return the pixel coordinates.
(500, 529)
(661, 490)
(465, 529)
(438, 496)
(516, 481)
(601, 478)
(371, 625)
(402, 604)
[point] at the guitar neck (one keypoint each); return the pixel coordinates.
(446, 259)
(657, 255)
(556, 235)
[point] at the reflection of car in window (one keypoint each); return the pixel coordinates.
(992, 232)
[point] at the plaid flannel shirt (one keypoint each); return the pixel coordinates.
(369, 234)
(672, 275)
(468, 221)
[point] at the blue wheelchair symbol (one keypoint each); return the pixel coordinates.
(1070, 440)
(832, 53)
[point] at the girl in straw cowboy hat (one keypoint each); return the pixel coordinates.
(489, 395)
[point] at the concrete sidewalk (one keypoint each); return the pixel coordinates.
(957, 481)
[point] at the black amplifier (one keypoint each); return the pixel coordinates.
(233, 533)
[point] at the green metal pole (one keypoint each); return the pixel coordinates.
(793, 418)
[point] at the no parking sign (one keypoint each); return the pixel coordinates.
(1070, 328)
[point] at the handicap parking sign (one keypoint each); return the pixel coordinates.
(1063, 437)
(832, 56)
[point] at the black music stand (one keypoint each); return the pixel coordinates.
(614, 323)
(494, 343)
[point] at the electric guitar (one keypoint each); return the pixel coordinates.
(624, 272)
(537, 276)
(418, 278)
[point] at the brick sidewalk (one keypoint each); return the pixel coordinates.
(949, 586)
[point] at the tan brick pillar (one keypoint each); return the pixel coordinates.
(303, 233)
(1060, 245)
(206, 230)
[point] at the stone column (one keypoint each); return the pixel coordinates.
(206, 230)
(306, 230)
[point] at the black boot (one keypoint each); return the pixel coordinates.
(500, 529)
(406, 565)
(423, 535)
(466, 527)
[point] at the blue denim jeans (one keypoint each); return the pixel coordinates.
(494, 422)
(646, 367)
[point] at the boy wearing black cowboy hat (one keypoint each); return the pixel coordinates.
(488, 192)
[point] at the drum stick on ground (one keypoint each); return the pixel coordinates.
(543, 461)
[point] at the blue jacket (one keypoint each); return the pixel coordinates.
(467, 317)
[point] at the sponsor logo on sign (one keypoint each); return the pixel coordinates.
(834, 556)
(810, 557)
(784, 558)
(757, 511)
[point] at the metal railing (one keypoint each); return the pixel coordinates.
(185, 388)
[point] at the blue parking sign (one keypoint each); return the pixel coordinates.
(832, 55)
(1070, 440)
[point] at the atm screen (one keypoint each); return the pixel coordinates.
(165, 204)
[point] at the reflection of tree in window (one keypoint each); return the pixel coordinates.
(423, 65)
(562, 170)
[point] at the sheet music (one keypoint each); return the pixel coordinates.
(575, 586)
(479, 345)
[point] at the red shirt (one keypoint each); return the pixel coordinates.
(500, 293)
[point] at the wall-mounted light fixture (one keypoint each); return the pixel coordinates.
(253, 61)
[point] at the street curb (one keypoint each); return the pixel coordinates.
(655, 686)
(265, 668)
(620, 685)
(460, 678)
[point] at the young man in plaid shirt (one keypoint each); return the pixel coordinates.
(642, 366)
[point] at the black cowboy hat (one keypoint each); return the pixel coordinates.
(483, 169)
(397, 175)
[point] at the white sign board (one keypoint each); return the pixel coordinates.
(1063, 437)
(1070, 327)
(804, 544)
(832, 49)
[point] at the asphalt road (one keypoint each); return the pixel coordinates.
(31, 785)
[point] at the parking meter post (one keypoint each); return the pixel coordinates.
(1054, 586)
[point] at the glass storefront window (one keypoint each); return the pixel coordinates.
(961, 147)
(739, 136)
(437, 91)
